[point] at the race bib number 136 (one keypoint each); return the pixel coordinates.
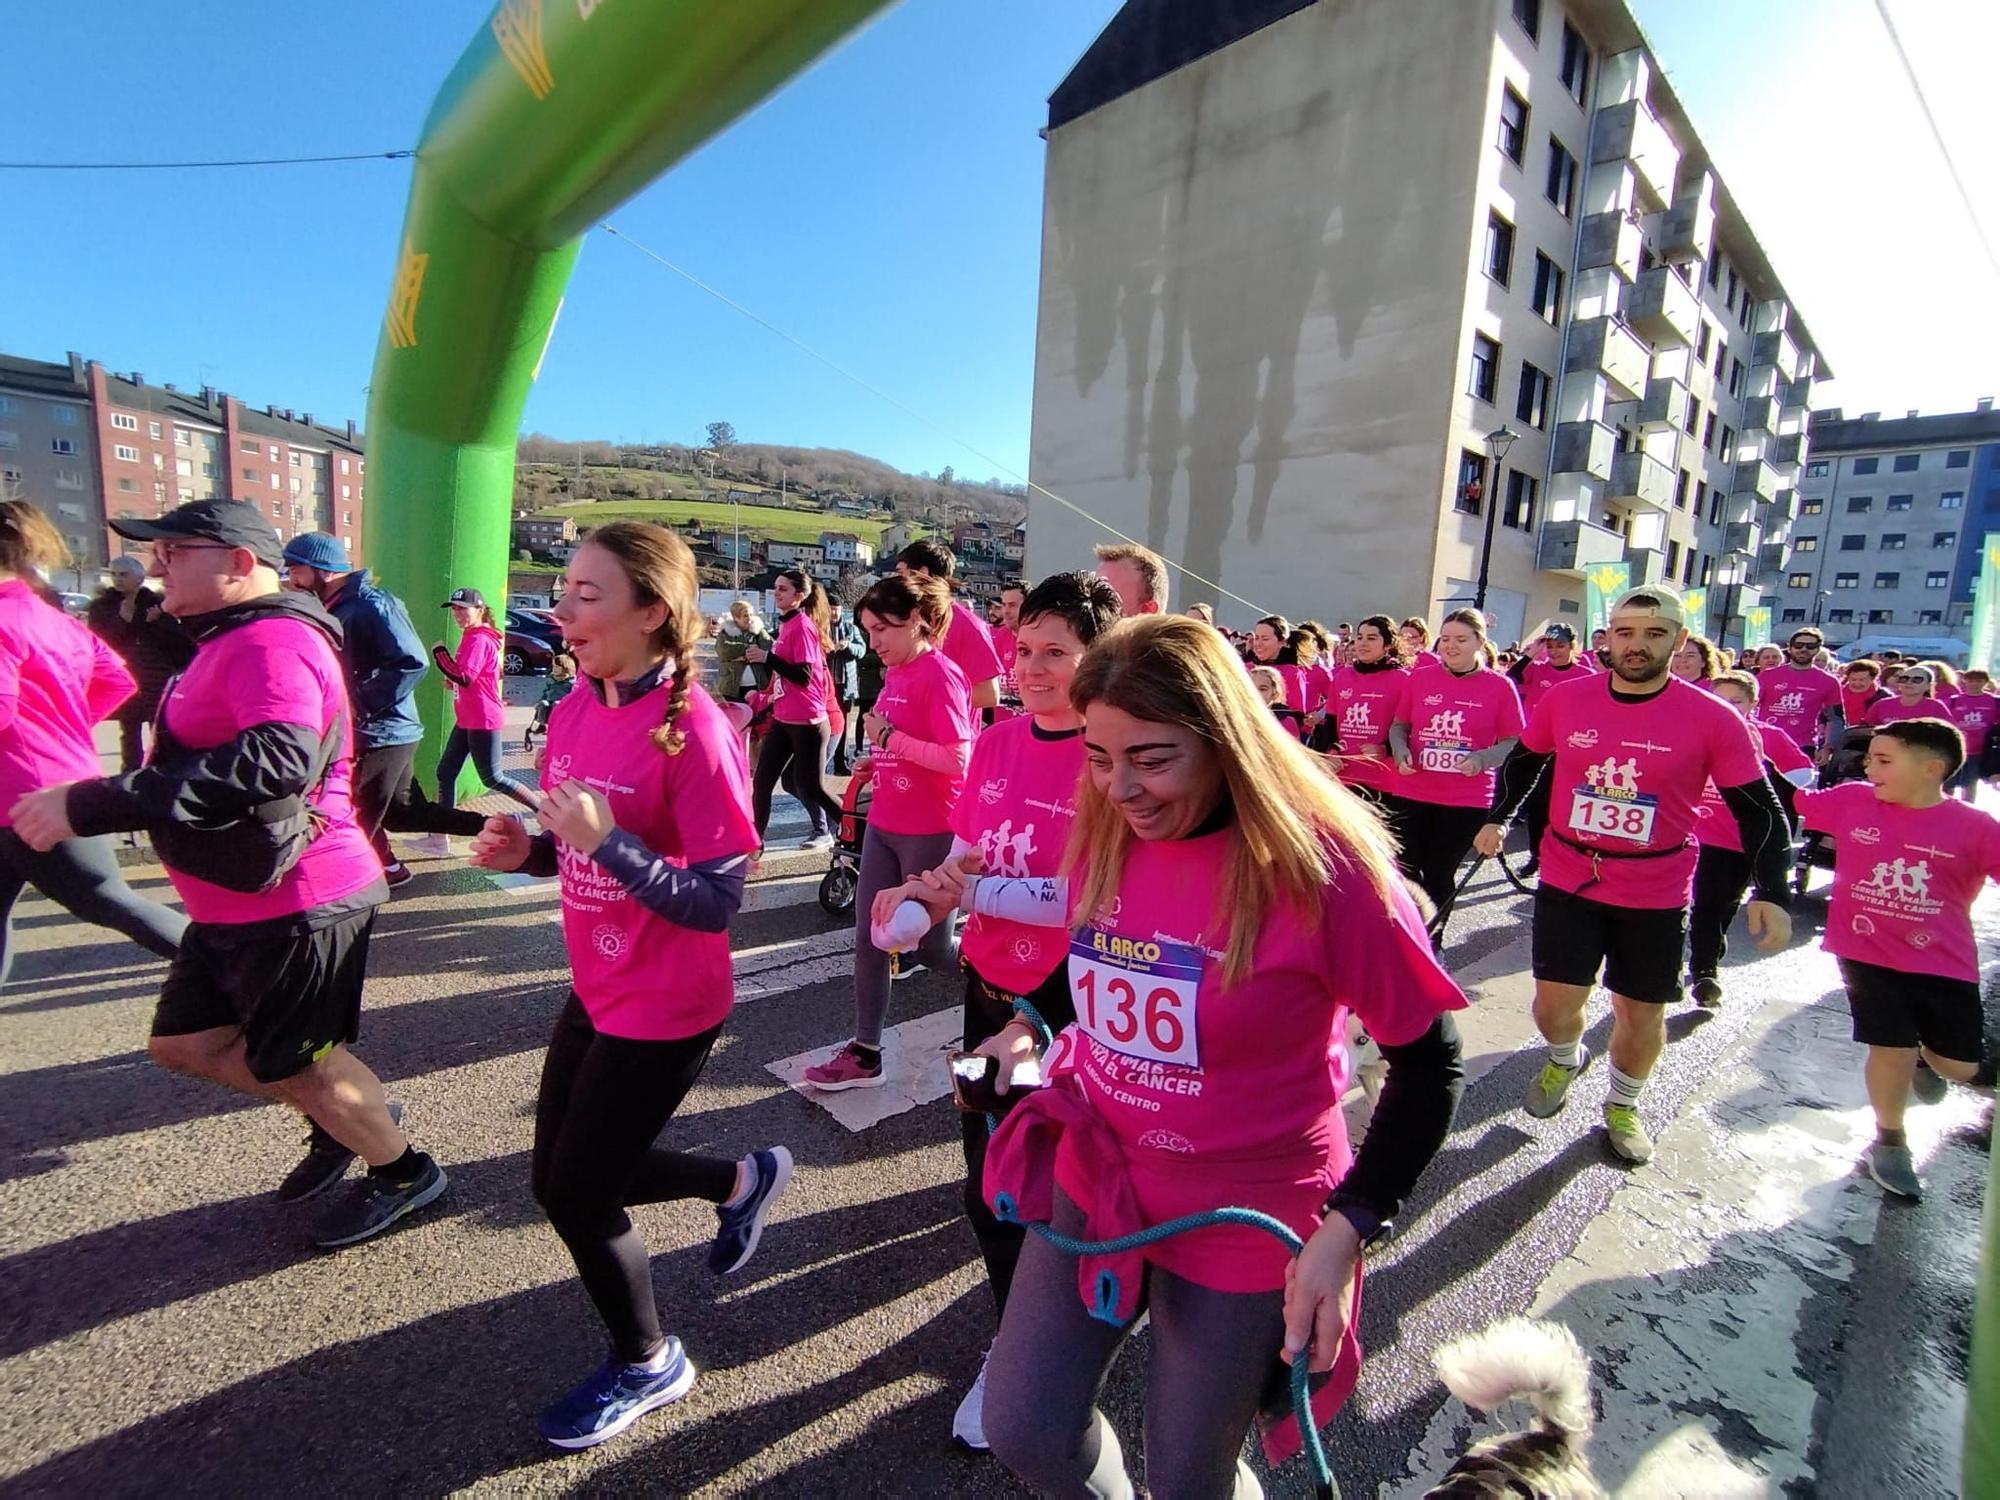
(1137, 996)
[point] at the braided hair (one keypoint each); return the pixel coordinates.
(662, 571)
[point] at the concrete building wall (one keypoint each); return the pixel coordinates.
(1253, 306)
(63, 484)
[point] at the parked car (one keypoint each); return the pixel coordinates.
(526, 653)
(75, 604)
(538, 623)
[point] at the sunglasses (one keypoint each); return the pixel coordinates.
(1912, 677)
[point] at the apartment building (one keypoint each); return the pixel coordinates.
(48, 453)
(1301, 262)
(1892, 517)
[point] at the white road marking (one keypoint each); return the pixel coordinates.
(912, 1058)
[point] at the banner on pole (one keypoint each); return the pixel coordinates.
(1757, 627)
(1986, 606)
(1601, 585)
(1696, 603)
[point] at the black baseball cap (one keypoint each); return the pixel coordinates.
(233, 523)
(466, 596)
(1561, 632)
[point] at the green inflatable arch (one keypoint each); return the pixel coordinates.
(557, 112)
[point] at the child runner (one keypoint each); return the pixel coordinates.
(1631, 750)
(1909, 862)
(1367, 692)
(1722, 871)
(1271, 688)
(477, 713)
(1457, 722)
(1233, 904)
(646, 815)
(1015, 818)
(919, 737)
(795, 744)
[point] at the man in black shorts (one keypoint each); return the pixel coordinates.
(265, 994)
(1630, 753)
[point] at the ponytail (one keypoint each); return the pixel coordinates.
(814, 604)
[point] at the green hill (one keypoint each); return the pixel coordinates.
(777, 523)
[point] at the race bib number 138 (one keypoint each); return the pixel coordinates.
(1137, 996)
(1629, 818)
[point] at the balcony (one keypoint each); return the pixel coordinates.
(1687, 230)
(1785, 508)
(1629, 132)
(1610, 240)
(1771, 558)
(1664, 407)
(1575, 547)
(1778, 349)
(1607, 346)
(1796, 395)
(1648, 565)
(1584, 448)
(1742, 536)
(1664, 309)
(1758, 479)
(1641, 480)
(1788, 450)
(1760, 414)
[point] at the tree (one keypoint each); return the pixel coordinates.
(946, 476)
(721, 437)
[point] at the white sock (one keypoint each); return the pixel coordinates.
(746, 1179)
(1569, 1054)
(659, 1360)
(1624, 1088)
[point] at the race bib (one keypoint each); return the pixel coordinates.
(1442, 757)
(1629, 818)
(1137, 996)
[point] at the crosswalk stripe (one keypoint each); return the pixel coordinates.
(912, 1065)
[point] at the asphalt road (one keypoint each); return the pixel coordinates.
(163, 1327)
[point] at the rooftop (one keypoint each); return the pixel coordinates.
(1834, 432)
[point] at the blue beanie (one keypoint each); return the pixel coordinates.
(315, 549)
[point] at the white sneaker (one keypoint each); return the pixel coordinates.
(817, 841)
(968, 1423)
(431, 846)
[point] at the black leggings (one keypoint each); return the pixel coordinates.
(1721, 876)
(603, 1100)
(1435, 841)
(793, 753)
(483, 747)
(82, 877)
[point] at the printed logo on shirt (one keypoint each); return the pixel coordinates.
(1613, 780)
(610, 941)
(1357, 716)
(1788, 703)
(559, 769)
(1166, 1140)
(993, 790)
(1899, 887)
(1865, 835)
(1432, 700)
(1583, 739)
(1449, 725)
(1004, 852)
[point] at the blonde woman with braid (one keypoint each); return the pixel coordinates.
(646, 812)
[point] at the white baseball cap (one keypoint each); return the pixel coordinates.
(1656, 599)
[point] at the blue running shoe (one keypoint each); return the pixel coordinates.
(739, 1228)
(616, 1397)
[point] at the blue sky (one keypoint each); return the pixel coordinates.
(885, 209)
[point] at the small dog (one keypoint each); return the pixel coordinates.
(1543, 1362)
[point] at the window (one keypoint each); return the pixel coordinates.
(1793, 617)
(1692, 424)
(1958, 458)
(1853, 543)
(1485, 367)
(1894, 541)
(9, 438)
(6, 404)
(1681, 492)
(1575, 63)
(1561, 186)
(1888, 580)
(1520, 512)
(343, 492)
(1707, 570)
(124, 421)
(159, 460)
(1470, 495)
(130, 486)
(1532, 406)
(208, 471)
(1847, 580)
(1687, 568)
(1721, 354)
(1513, 138)
(1799, 581)
(347, 518)
(1499, 249)
(62, 445)
(1937, 580)
(1735, 376)
(250, 476)
(343, 466)
(1715, 266)
(1728, 441)
(1860, 505)
(153, 431)
(1840, 617)
(1708, 435)
(1715, 499)
(126, 454)
(1673, 559)
(1700, 496)
(1866, 465)
(1733, 285)
(1881, 617)
(182, 436)
(69, 479)
(1529, 14)
(250, 445)
(1901, 502)
(1806, 544)
(1816, 469)
(1944, 538)
(274, 453)
(1811, 507)
(63, 416)
(1930, 617)
(1951, 500)
(1906, 463)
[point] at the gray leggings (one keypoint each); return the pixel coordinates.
(82, 877)
(1212, 1352)
(887, 860)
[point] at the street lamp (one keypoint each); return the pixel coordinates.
(1819, 600)
(1498, 441)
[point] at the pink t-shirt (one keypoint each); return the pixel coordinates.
(1020, 799)
(798, 642)
(969, 644)
(56, 681)
(1319, 686)
(1363, 705)
(1448, 716)
(1854, 706)
(637, 974)
(1425, 658)
(1795, 698)
(926, 699)
(1904, 878)
(1628, 777)
(1715, 825)
(1232, 1095)
(1005, 643)
(476, 701)
(275, 671)
(1538, 677)
(1894, 710)
(1974, 713)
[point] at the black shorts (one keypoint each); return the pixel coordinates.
(296, 995)
(1639, 949)
(1892, 1008)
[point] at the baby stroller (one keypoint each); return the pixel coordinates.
(837, 886)
(1849, 762)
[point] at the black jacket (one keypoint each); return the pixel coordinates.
(152, 644)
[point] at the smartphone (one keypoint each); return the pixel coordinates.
(973, 1075)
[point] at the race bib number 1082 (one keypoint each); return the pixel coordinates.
(1137, 996)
